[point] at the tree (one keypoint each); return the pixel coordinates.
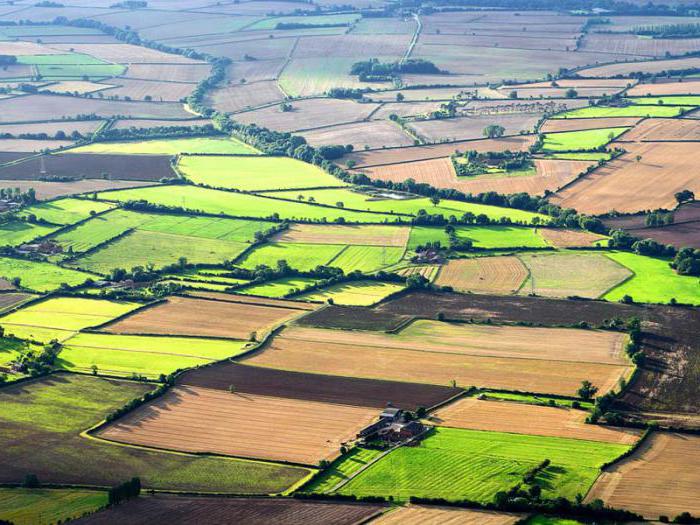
(94, 369)
(684, 196)
(232, 389)
(400, 97)
(571, 93)
(31, 481)
(435, 200)
(513, 94)
(587, 390)
(493, 131)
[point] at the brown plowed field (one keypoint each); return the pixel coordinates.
(202, 317)
(374, 134)
(164, 508)
(381, 356)
(158, 91)
(173, 72)
(8, 300)
(687, 87)
(245, 96)
(352, 318)
(626, 185)
(576, 124)
(22, 145)
(684, 232)
(647, 66)
(465, 128)
(569, 238)
(661, 129)
(127, 54)
(249, 299)
(331, 234)
(504, 416)
(49, 190)
(417, 515)
(193, 419)
(316, 387)
(483, 274)
(661, 478)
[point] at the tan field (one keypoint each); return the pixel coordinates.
(249, 299)
(661, 478)
(576, 124)
(500, 275)
(495, 357)
(50, 190)
(201, 317)
(660, 129)
(577, 83)
(647, 66)
(417, 515)
(627, 185)
(194, 419)
(504, 416)
(569, 238)
(373, 134)
(687, 87)
(330, 234)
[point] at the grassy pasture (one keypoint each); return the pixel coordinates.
(586, 139)
(271, 22)
(150, 356)
(456, 464)
(501, 236)
(360, 293)
(535, 399)
(40, 276)
(63, 59)
(65, 211)
(299, 256)
(666, 101)
(627, 111)
(367, 258)
(255, 173)
(654, 281)
(341, 469)
(420, 235)
(14, 233)
(224, 145)
(79, 71)
(278, 288)
(98, 230)
(584, 155)
(54, 410)
(47, 506)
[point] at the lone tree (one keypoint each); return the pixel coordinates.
(587, 390)
(494, 131)
(435, 200)
(684, 196)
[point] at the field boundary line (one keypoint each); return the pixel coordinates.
(337, 255)
(632, 275)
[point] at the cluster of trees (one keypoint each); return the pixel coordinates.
(301, 25)
(130, 4)
(124, 491)
(373, 70)
(479, 163)
(347, 93)
(687, 262)
(48, 3)
(623, 240)
(18, 195)
(134, 132)
(7, 60)
(668, 30)
(135, 403)
(658, 218)
(334, 152)
(37, 362)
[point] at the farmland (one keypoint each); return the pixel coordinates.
(589, 139)
(277, 288)
(358, 293)
(45, 506)
(484, 274)
(168, 147)
(40, 276)
(428, 514)
(66, 211)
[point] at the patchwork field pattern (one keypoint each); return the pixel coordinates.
(483, 274)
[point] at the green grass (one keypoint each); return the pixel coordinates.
(42, 421)
(79, 71)
(98, 230)
(341, 469)
(358, 293)
(238, 204)
(586, 155)
(367, 259)
(14, 233)
(40, 276)
(48, 506)
(63, 59)
(225, 145)
(421, 235)
(195, 285)
(197, 276)
(142, 248)
(278, 288)
(654, 281)
(587, 139)
(501, 236)
(150, 356)
(59, 317)
(535, 399)
(548, 520)
(458, 464)
(65, 211)
(271, 22)
(302, 257)
(10, 349)
(627, 111)
(255, 173)
(667, 100)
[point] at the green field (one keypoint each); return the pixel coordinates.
(79, 71)
(226, 145)
(48, 506)
(627, 111)
(535, 399)
(271, 22)
(239, 204)
(65, 211)
(59, 317)
(421, 235)
(142, 248)
(459, 464)
(666, 100)
(501, 236)
(358, 293)
(585, 155)
(10, 349)
(255, 173)
(654, 281)
(341, 469)
(196, 285)
(150, 356)
(367, 259)
(40, 276)
(197, 276)
(279, 287)
(99, 229)
(301, 257)
(14, 233)
(42, 422)
(587, 139)
(66, 59)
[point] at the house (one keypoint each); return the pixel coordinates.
(394, 425)
(401, 431)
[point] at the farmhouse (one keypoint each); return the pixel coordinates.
(393, 426)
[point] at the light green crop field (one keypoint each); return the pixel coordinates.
(79, 71)
(654, 281)
(278, 288)
(627, 111)
(60, 317)
(340, 469)
(54, 410)
(150, 356)
(302, 257)
(65, 211)
(501, 236)
(586, 139)
(65, 59)
(564, 274)
(169, 146)
(98, 230)
(196, 285)
(359, 293)
(10, 349)
(421, 235)
(196, 276)
(14, 233)
(458, 464)
(360, 201)
(255, 173)
(549, 520)
(239, 204)
(271, 22)
(667, 100)
(367, 259)
(40, 276)
(532, 399)
(584, 155)
(47, 506)
(140, 248)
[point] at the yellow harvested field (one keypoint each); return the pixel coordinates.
(569, 238)
(576, 124)
(687, 87)
(660, 129)
(627, 185)
(438, 353)
(195, 419)
(417, 515)
(505, 416)
(355, 235)
(661, 478)
(19, 48)
(249, 299)
(500, 275)
(429, 271)
(203, 317)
